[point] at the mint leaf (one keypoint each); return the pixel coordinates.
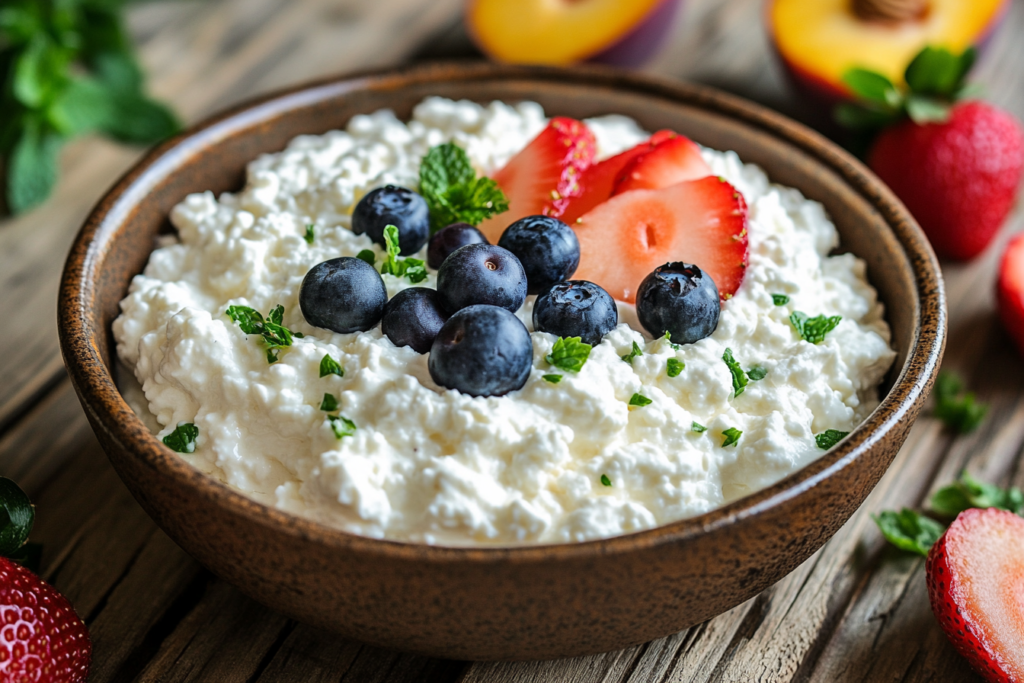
(32, 168)
(739, 378)
(17, 515)
(311, 235)
(814, 329)
(341, 426)
(958, 409)
(140, 120)
(780, 299)
(569, 354)
(639, 401)
(453, 192)
(329, 404)
(84, 105)
(367, 255)
(968, 492)
(605, 481)
(829, 438)
(870, 85)
(634, 352)
(415, 270)
(937, 71)
(675, 366)
(697, 427)
(183, 438)
(249, 319)
(554, 379)
(668, 340)
(329, 366)
(412, 268)
(276, 315)
(909, 530)
(757, 373)
(732, 436)
(274, 334)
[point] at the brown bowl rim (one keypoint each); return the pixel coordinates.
(109, 411)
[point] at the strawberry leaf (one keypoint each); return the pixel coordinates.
(937, 71)
(16, 517)
(870, 85)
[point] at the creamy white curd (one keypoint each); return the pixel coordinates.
(432, 465)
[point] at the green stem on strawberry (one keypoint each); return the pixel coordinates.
(17, 514)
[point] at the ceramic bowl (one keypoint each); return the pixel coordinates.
(502, 603)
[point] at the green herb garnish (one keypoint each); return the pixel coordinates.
(697, 427)
(342, 426)
(757, 373)
(16, 518)
(909, 530)
(675, 366)
(329, 366)
(829, 438)
(732, 436)
(780, 299)
(968, 492)
(310, 235)
(554, 379)
(814, 329)
(412, 268)
(668, 340)
(605, 481)
(569, 354)
(453, 192)
(633, 353)
(739, 378)
(639, 401)
(183, 438)
(275, 335)
(329, 404)
(368, 256)
(957, 409)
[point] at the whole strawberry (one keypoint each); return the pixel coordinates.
(42, 640)
(956, 165)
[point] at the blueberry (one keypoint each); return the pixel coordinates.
(481, 274)
(576, 308)
(397, 206)
(343, 295)
(482, 351)
(547, 248)
(448, 239)
(413, 318)
(681, 299)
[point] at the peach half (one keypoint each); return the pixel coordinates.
(623, 32)
(819, 40)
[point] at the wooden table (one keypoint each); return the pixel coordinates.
(855, 611)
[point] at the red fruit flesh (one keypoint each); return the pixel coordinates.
(41, 638)
(672, 161)
(976, 586)
(958, 178)
(703, 222)
(544, 175)
(1010, 290)
(598, 181)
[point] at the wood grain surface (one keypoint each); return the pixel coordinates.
(856, 611)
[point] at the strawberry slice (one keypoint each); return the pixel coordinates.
(976, 586)
(544, 175)
(598, 181)
(703, 222)
(1010, 290)
(671, 161)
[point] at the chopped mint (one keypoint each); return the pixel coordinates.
(453, 192)
(342, 426)
(668, 338)
(739, 378)
(757, 373)
(569, 354)
(780, 299)
(732, 436)
(274, 334)
(605, 481)
(633, 353)
(814, 329)
(329, 404)
(329, 366)
(829, 438)
(697, 427)
(412, 268)
(956, 408)
(183, 438)
(639, 401)
(675, 366)
(310, 235)
(368, 256)
(968, 492)
(909, 530)
(554, 379)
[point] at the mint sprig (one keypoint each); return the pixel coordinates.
(957, 408)
(909, 530)
(453, 192)
(569, 354)
(968, 492)
(412, 268)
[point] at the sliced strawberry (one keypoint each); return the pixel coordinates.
(1010, 290)
(544, 175)
(598, 181)
(703, 222)
(976, 586)
(671, 161)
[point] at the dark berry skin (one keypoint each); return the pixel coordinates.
(397, 206)
(343, 295)
(413, 318)
(448, 239)
(481, 274)
(482, 351)
(547, 248)
(681, 299)
(576, 308)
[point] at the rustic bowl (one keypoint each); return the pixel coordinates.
(520, 602)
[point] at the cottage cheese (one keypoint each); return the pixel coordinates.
(433, 465)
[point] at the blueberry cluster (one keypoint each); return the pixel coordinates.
(468, 325)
